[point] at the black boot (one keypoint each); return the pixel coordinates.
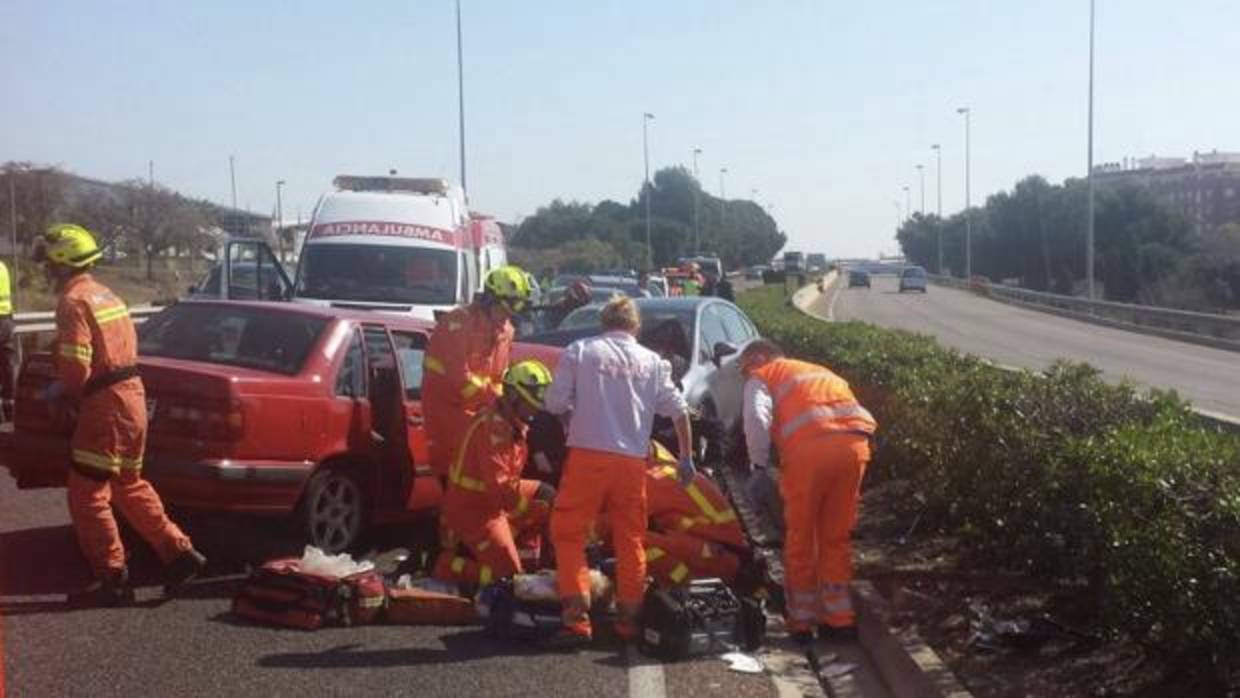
(109, 592)
(188, 565)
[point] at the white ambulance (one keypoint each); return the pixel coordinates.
(394, 244)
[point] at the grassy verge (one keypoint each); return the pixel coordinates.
(1060, 476)
(171, 279)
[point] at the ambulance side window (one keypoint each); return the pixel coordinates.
(351, 381)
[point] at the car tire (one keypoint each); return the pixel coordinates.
(333, 511)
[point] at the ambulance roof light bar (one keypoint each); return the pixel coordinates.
(416, 185)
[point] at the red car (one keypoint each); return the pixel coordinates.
(266, 408)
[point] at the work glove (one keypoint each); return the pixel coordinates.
(685, 470)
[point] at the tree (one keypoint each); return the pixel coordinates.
(39, 194)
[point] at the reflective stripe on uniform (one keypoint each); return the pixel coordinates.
(458, 565)
(654, 553)
(456, 474)
(679, 572)
(707, 508)
(841, 411)
(786, 387)
(523, 506)
(801, 605)
(484, 575)
(103, 461)
(475, 384)
(105, 315)
(77, 352)
(433, 365)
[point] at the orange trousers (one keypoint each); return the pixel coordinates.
(90, 508)
(821, 483)
(594, 481)
(489, 537)
(108, 443)
(676, 558)
(445, 430)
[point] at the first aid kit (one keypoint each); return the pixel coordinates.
(690, 620)
(508, 617)
(417, 606)
(283, 594)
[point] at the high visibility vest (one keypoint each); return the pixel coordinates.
(6, 291)
(809, 399)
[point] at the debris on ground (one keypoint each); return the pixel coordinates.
(742, 663)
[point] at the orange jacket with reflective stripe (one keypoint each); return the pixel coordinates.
(94, 333)
(701, 509)
(462, 368)
(809, 399)
(485, 475)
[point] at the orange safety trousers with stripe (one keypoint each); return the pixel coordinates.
(461, 374)
(595, 481)
(487, 504)
(820, 482)
(676, 558)
(822, 434)
(95, 337)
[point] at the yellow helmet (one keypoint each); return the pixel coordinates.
(529, 379)
(510, 286)
(70, 245)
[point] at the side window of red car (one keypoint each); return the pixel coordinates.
(410, 348)
(351, 380)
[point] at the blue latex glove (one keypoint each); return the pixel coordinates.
(685, 470)
(53, 392)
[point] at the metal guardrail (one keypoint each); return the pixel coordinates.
(1219, 331)
(27, 323)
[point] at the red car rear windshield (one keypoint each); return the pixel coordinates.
(258, 338)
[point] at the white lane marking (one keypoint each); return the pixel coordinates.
(645, 675)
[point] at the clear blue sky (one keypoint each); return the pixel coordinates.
(823, 107)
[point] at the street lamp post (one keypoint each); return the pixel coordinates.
(646, 117)
(723, 197)
(460, 91)
(1089, 225)
(908, 203)
(697, 205)
(13, 231)
(938, 155)
(968, 222)
(921, 176)
(279, 215)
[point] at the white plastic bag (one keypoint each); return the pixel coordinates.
(315, 561)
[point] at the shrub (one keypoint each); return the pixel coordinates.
(1060, 474)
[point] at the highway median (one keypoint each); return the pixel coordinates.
(1119, 497)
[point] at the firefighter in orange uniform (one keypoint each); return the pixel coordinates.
(97, 367)
(465, 360)
(487, 502)
(822, 435)
(694, 532)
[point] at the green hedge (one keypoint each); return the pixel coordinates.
(1059, 475)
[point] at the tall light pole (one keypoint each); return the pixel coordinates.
(1089, 224)
(150, 172)
(899, 214)
(908, 203)
(232, 178)
(697, 205)
(723, 197)
(460, 90)
(646, 118)
(938, 155)
(13, 231)
(921, 176)
(968, 203)
(279, 215)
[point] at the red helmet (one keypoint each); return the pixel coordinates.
(579, 292)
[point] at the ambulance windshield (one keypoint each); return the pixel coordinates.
(379, 274)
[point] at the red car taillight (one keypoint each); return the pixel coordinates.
(212, 420)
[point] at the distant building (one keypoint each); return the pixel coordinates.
(1205, 188)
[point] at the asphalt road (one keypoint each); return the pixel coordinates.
(192, 646)
(1209, 378)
